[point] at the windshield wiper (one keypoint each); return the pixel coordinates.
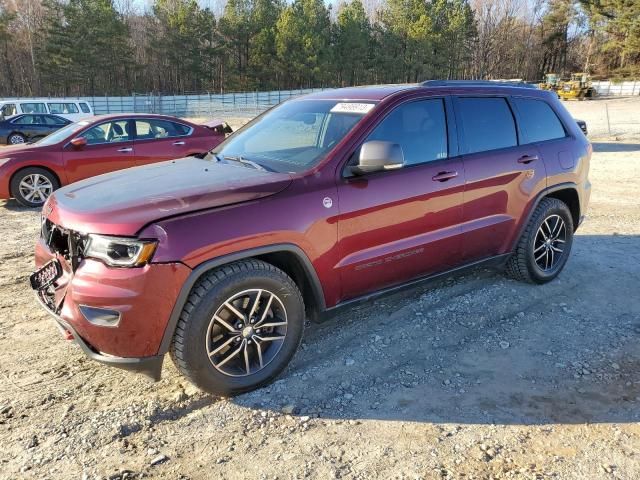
(244, 161)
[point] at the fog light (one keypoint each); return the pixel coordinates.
(101, 317)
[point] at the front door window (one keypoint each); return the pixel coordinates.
(109, 132)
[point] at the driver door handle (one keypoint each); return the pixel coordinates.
(125, 150)
(527, 159)
(178, 143)
(444, 176)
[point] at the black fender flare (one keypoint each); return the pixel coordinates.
(203, 268)
(542, 194)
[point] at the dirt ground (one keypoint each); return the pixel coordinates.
(475, 376)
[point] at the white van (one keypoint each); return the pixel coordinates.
(69, 108)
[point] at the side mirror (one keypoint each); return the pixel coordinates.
(376, 156)
(78, 142)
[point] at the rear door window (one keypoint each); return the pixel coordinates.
(157, 129)
(50, 120)
(487, 123)
(538, 120)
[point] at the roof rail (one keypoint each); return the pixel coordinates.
(476, 83)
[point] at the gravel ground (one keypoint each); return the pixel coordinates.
(475, 376)
(623, 114)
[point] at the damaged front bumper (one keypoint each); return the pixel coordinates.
(118, 316)
(148, 366)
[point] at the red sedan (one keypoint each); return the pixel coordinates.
(29, 173)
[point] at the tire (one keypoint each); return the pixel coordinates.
(199, 335)
(45, 182)
(16, 139)
(533, 254)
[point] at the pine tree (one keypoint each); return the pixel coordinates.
(353, 35)
(86, 48)
(302, 43)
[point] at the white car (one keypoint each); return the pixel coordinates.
(69, 108)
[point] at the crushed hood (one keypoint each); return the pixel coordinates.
(122, 202)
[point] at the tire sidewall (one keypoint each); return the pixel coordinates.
(537, 274)
(203, 373)
(17, 178)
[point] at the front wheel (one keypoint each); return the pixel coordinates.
(543, 249)
(32, 186)
(16, 139)
(239, 328)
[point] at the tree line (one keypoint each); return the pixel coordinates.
(99, 47)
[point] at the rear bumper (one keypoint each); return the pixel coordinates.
(148, 366)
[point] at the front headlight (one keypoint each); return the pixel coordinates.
(119, 251)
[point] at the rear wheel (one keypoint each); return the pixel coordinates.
(32, 186)
(543, 249)
(239, 328)
(16, 139)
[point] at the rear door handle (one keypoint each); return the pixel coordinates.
(444, 176)
(178, 143)
(126, 150)
(527, 159)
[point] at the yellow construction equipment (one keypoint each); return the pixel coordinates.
(551, 82)
(579, 87)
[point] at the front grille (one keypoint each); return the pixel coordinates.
(66, 243)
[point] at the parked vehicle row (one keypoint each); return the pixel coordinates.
(322, 201)
(29, 128)
(31, 172)
(69, 108)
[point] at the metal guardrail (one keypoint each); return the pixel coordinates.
(250, 104)
(608, 88)
(236, 104)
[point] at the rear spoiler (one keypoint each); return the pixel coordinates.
(218, 126)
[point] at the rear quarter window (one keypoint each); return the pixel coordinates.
(487, 124)
(538, 121)
(85, 108)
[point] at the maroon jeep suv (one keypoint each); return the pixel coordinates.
(321, 201)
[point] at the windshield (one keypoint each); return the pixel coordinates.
(63, 133)
(293, 136)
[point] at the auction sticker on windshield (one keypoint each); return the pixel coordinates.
(357, 108)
